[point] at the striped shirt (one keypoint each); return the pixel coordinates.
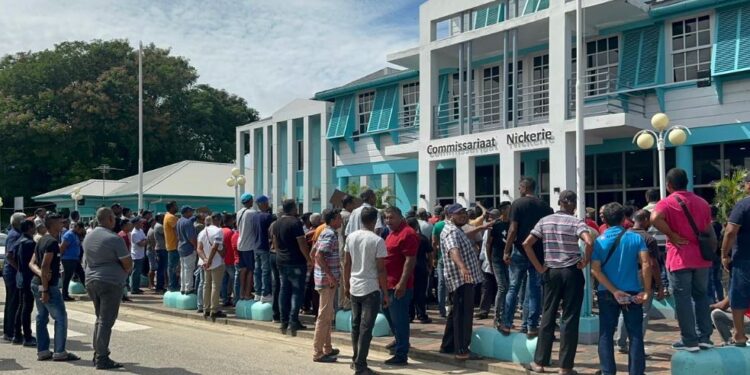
(559, 234)
(328, 247)
(452, 238)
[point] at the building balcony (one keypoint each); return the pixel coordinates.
(603, 97)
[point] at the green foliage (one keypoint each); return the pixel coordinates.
(729, 191)
(354, 190)
(66, 110)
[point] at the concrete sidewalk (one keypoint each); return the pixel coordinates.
(425, 340)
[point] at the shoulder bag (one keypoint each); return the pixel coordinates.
(707, 241)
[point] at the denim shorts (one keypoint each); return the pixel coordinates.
(739, 286)
(153, 264)
(247, 259)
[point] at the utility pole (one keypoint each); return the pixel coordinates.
(104, 169)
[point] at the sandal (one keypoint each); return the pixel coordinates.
(533, 367)
(740, 344)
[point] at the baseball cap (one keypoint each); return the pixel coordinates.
(246, 197)
(186, 209)
(261, 199)
(568, 196)
(454, 209)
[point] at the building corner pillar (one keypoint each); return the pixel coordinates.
(684, 160)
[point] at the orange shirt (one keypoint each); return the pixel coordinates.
(170, 231)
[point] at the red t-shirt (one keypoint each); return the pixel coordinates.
(627, 223)
(592, 224)
(230, 250)
(686, 256)
(235, 240)
(125, 237)
(432, 220)
(603, 228)
(400, 243)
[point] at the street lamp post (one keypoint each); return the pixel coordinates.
(76, 196)
(236, 180)
(677, 135)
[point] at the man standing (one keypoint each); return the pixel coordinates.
(211, 252)
(160, 245)
(45, 263)
(24, 251)
(70, 249)
(525, 212)
(402, 244)
(688, 271)
(170, 241)
(564, 281)
(462, 272)
(365, 281)
(418, 307)
(652, 197)
(737, 240)
(437, 229)
(9, 275)
(188, 242)
(293, 260)
(230, 255)
(327, 276)
(245, 247)
(617, 253)
(496, 238)
(348, 203)
(260, 221)
(108, 264)
(138, 253)
(355, 222)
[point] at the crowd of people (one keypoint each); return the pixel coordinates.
(520, 254)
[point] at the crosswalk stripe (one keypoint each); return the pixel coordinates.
(120, 326)
(71, 333)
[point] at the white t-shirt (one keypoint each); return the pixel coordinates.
(137, 252)
(364, 247)
(208, 237)
(244, 225)
(355, 221)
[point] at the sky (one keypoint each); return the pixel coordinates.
(268, 52)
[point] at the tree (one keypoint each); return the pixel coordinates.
(66, 110)
(383, 196)
(729, 191)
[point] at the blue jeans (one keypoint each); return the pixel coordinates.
(500, 270)
(690, 290)
(200, 284)
(173, 260)
(135, 275)
(292, 294)
(609, 312)
(520, 268)
(398, 318)
(262, 274)
(56, 308)
(237, 284)
(715, 288)
(227, 282)
(442, 291)
(161, 269)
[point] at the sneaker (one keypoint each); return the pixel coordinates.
(107, 364)
(65, 357)
(396, 361)
(677, 345)
(623, 350)
(481, 316)
(296, 327)
(325, 359)
(68, 299)
(200, 311)
(257, 298)
(220, 314)
(425, 321)
(283, 328)
(706, 345)
(334, 352)
(17, 341)
(266, 299)
(686, 348)
(44, 356)
(30, 342)
(7, 338)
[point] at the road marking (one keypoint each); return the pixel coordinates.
(71, 333)
(120, 326)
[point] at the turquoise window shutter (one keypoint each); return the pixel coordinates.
(492, 13)
(443, 109)
(639, 65)
(385, 110)
(480, 18)
(732, 48)
(342, 118)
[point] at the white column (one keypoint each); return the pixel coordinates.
(325, 161)
(427, 186)
(253, 168)
(364, 181)
(306, 180)
(267, 135)
(559, 69)
(276, 176)
(510, 173)
(240, 155)
(428, 93)
(562, 165)
(388, 180)
(291, 167)
(465, 171)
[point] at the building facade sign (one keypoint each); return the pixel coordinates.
(529, 138)
(463, 147)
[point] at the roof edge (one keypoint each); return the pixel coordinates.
(345, 90)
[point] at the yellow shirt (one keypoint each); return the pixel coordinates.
(170, 231)
(318, 231)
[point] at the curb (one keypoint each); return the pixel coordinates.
(414, 353)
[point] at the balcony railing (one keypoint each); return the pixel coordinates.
(408, 123)
(604, 97)
(496, 12)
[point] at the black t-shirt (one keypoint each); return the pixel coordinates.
(425, 247)
(286, 230)
(499, 234)
(48, 244)
(24, 252)
(741, 216)
(527, 211)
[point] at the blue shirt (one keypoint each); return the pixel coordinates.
(259, 224)
(73, 251)
(10, 243)
(186, 232)
(622, 267)
(740, 216)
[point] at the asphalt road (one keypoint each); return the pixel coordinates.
(149, 343)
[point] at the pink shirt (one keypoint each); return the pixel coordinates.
(686, 256)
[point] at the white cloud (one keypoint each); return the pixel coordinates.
(268, 52)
